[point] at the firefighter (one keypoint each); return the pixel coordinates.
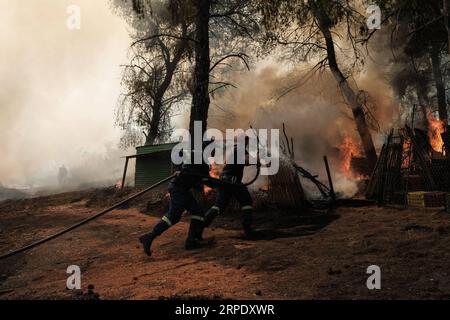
(189, 177)
(233, 173)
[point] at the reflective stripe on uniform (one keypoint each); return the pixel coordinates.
(244, 208)
(197, 218)
(167, 220)
(215, 208)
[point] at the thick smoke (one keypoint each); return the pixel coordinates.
(59, 89)
(312, 109)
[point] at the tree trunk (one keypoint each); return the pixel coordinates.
(440, 88)
(153, 130)
(447, 21)
(200, 99)
(348, 93)
(423, 104)
(150, 139)
(155, 123)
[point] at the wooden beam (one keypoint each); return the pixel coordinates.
(125, 173)
(330, 180)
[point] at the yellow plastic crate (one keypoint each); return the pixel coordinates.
(416, 199)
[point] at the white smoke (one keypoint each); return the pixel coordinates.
(314, 112)
(59, 89)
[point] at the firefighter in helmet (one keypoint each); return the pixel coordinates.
(189, 177)
(233, 173)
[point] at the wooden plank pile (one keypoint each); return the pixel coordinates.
(407, 165)
(285, 187)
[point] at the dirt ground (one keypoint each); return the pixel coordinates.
(323, 256)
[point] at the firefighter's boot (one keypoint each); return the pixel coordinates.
(147, 240)
(210, 215)
(194, 239)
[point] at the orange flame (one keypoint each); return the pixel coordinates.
(406, 150)
(348, 150)
(435, 128)
(214, 171)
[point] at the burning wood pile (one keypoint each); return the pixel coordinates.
(412, 165)
(285, 188)
(354, 165)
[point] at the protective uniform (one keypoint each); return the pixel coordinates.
(233, 173)
(181, 199)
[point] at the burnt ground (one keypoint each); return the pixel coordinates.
(323, 256)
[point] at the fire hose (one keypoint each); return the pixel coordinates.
(227, 183)
(117, 205)
(83, 222)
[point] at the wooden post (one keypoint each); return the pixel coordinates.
(330, 180)
(124, 173)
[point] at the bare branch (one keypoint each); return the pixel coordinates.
(241, 56)
(162, 36)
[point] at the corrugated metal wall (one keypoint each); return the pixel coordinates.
(152, 168)
(155, 148)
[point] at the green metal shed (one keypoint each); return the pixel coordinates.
(153, 164)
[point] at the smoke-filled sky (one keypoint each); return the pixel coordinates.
(59, 87)
(315, 114)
